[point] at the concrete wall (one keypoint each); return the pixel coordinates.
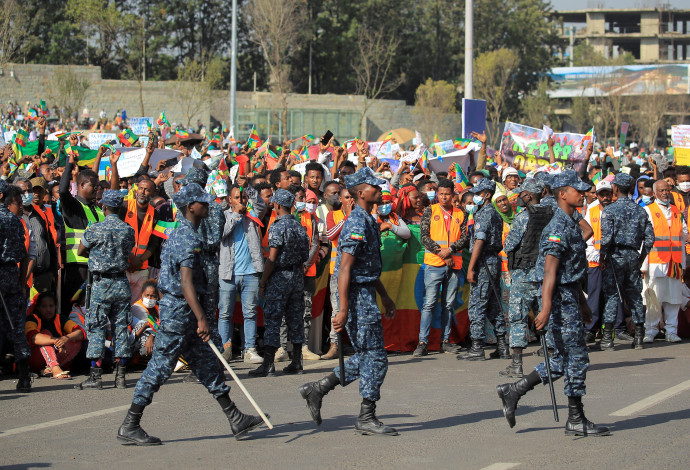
(33, 82)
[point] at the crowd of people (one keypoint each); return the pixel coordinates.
(87, 261)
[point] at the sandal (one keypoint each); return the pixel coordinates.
(47, 372)
(62, 376)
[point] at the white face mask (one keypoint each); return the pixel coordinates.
(684, 186)
(311, 208)
(149, 303)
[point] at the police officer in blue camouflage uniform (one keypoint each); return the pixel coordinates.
(357, 268)
(13, 270)
(624, 229)
(210, 231)
(107, 245)
(560, 268)
(183, 328)
(483, 273)
(282, 285)
(522, 248)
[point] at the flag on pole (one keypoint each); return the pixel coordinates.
(423, 161)
(387, 139)
(587, 138)
(461, 181)
(33, 114)
(44, 107)
(253, 141)
(181, 134)
(436, 139)
(624, 133)
(308, 137)
(251, 213)
(22, 137)
(127, 138)
(148, 125)
(163, 120)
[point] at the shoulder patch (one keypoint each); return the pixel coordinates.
(555, 238)
(356, 236)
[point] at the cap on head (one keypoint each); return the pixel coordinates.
(189, 194)
(544, 178)
(39, 181)
(530, 185)
(604, 185)
(569, 178)
(623, 181)
(363, 175)
(194, 175)
(112, 198)
(510, 171)
(283, 197)
(482, 185)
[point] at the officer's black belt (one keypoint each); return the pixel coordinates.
(109, 275)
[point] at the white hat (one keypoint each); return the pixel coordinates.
(508, 172)
(604, 185)
(418, 177)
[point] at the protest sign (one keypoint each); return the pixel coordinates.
(680, 136)
(473, 117)
(129, 162)
(96, 139)
(682, 155)
(461, 157)
(523, 148)
(9, 136)
(139, 126)
(442, 148)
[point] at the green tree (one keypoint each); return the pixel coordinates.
(585, 55)
(537, 107)
(436, 106)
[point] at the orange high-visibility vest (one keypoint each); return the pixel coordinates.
(667, 240)
(264, 240)
(338, 217)
(443, 238)
(308, 220)
(595, 222)
(502, 255)
(679, 201)
(56, 322)
(27, 242)
(49, 219)
(141, 238)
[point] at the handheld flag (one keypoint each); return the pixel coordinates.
(423, 161)
(587, 138)
(461, 181)
(181, 134)
(127, 138)
(44, 108)
(33, 114)
(388, 138)
(251, 213)
(148, 125)
(253, 141)
(21, 138)
(163, 120)
(308, 137)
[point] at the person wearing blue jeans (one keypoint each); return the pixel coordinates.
(447, 281)
(241, 265)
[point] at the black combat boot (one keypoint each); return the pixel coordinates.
(639, 336)
(515, 368)
(314, 392)
(578, 424)
(131, 433)
(367, 423)
(120, 376)
(267, 369)
(510, 394)
(240, 423)
(475, 353)
(94, 380)
(24, 380)
(502, 350)
(295, 367)
(607, 337)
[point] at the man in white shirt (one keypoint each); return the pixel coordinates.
(663, 268)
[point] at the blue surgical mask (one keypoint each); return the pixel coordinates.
(300, 206)
(664, 203)
(124, 191)
(384, 209)
(478, 200)
(471, 208)
(27, 199)
(647, 199)
(431, 195)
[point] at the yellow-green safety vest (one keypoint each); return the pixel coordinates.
(73, 235)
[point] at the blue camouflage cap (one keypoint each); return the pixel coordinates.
(4, 186)
(190, 193)
(569, 178)
(283, 197)
(544, 178)
(623, 180)
(531, 185)
(483, 184)
(194, 175)
(112, 198)
(363, 175)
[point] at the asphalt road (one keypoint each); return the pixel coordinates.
(446, 410)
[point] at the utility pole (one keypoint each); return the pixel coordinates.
(572, 44)
(233, 68)
(469, 39)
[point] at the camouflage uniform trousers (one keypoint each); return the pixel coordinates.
(370, 361)
(309, 288)
(623, 266)
(16, 304)
(570, 358)
(211, 298)
(109, 303)
(524, 296)
(284, 296)
(483, 302)
(177, 336)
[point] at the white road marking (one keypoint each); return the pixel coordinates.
(653, 400)
(58, 422)
(501, 466)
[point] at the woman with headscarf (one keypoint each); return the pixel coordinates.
(504, 208)
(410, 205)
(639, 185)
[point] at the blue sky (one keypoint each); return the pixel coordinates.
(568, 4)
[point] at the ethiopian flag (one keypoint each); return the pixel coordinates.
(164, 229)
(127, 138)
(461, 181)
(44, 108)
(587, 138)
(21, 138)
(181, 134)
(253, 141)
(163, 120)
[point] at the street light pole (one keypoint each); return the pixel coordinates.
(233, 68)
(469, 25)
